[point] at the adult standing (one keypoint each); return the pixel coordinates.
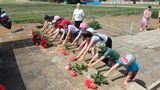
(146, 17)
(78, 15)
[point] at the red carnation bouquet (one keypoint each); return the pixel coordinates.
(45, 42)
(77, 68)
(97, 79)
(37, 36)
(40, 39)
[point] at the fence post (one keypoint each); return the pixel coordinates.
(131, 29)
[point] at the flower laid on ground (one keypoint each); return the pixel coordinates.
(63, 51)
(37, 36)
(74, 69)
(39, 39)
(99, 79)
(72, 73)
(79, 67)
(45, 42)
(68, 67)
(90, 84)
(73, 58)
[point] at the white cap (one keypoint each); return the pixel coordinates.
(90, 30)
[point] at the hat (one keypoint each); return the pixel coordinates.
(128, 60)
(100, 46)
(64, 22)
(90, 30)
(56, 18)
(83, 26)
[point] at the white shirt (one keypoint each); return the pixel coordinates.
(78, 14)
(97, 38)
(72, 29)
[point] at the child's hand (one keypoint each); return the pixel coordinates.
(81, 58)
(90, 66)
(105, 75)
(126, 84)
(59, 42)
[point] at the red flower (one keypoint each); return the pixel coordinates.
(73, 58)
(93, 86)
(43, 41)
(88, 83)
(72, 73)
(45, 46)
(67, 67)
(2, 87)
(65, 53)
(61, 49)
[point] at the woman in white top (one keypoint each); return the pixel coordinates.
(78, 16)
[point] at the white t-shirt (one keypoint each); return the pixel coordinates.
(97, 38)
(78, 14)
(72, 29)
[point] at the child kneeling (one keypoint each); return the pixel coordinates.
(129, 61)
(105, 54)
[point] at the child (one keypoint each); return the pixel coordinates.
(105, 54)
(47, 23)
(52, 23)
(71, 31)
(159, 21)
(91, 40)
(129, 61)
(146, 17)
(83, 27)
(60, 30)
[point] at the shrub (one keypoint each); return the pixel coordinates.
(155, 14)
(95, 25)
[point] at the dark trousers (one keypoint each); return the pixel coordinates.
(77, 23)
(109, 42)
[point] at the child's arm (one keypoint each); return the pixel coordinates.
(82, 44)
(111, 69)
(127, 79)
(62, 36)
(88, 47)
(66, 37)
(82, 51)
(77, 37)
(45, 25)
(95, 56)
(56, 33)
(97, 61)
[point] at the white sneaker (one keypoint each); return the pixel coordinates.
(145, 30)
(140, 29)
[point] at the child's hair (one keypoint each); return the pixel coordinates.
(149, 7)
(87, 34)
(46, 17)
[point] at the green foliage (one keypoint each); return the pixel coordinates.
(49, 43)
(95, 25)
(79, 68)
(155, 14)
(40, 0)
(99, 79)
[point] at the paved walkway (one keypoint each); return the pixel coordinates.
(28, 67)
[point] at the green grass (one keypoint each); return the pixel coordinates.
(34, 12)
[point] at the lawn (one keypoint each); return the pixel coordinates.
(34, 12)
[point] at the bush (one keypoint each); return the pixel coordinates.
(95, 25)
(155, 14)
